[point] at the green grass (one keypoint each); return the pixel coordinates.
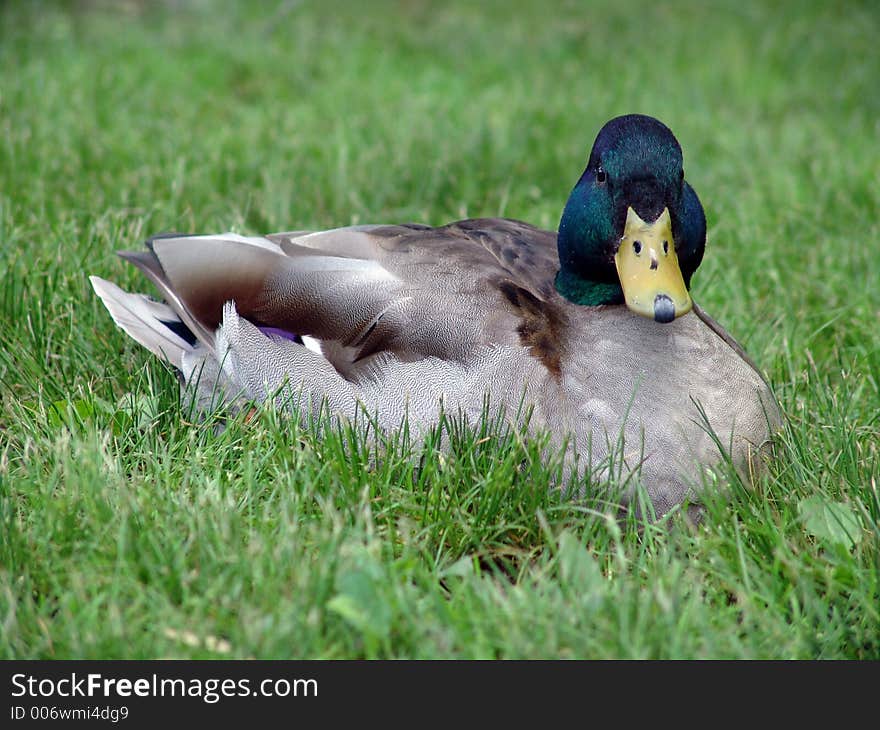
(130, 531)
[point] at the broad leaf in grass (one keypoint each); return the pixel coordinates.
(461, 568)
(577, 567)
(360, 599)
(78, 412)
(832, 521)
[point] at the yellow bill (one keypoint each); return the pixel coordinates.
(648, 269)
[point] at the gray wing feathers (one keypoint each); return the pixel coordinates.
(448, 283)
(148, 264)
(303, 290)
(411, 290)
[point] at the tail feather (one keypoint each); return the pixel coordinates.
(147, 262)
(150, 323)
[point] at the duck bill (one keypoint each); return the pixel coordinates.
(647, 266)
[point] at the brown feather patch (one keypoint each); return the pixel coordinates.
(541, 325)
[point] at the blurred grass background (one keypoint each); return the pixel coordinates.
(128, 532)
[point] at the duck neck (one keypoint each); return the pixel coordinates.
(579, 290)
(584, 276)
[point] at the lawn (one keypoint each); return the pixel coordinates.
(128, 529)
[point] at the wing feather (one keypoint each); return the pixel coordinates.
(411, 290)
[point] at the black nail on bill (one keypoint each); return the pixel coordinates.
(664, 309)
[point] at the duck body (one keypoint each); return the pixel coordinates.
(409, 321)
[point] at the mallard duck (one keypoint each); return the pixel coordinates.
(592, 327)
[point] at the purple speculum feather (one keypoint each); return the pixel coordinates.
(278, 332)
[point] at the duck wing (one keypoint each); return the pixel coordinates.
(410, 290)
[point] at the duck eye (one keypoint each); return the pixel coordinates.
(601, 176)
(666, 247)
(637, 247)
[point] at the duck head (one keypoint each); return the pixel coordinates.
(633, 231)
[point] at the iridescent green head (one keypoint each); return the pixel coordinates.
(633, 230)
